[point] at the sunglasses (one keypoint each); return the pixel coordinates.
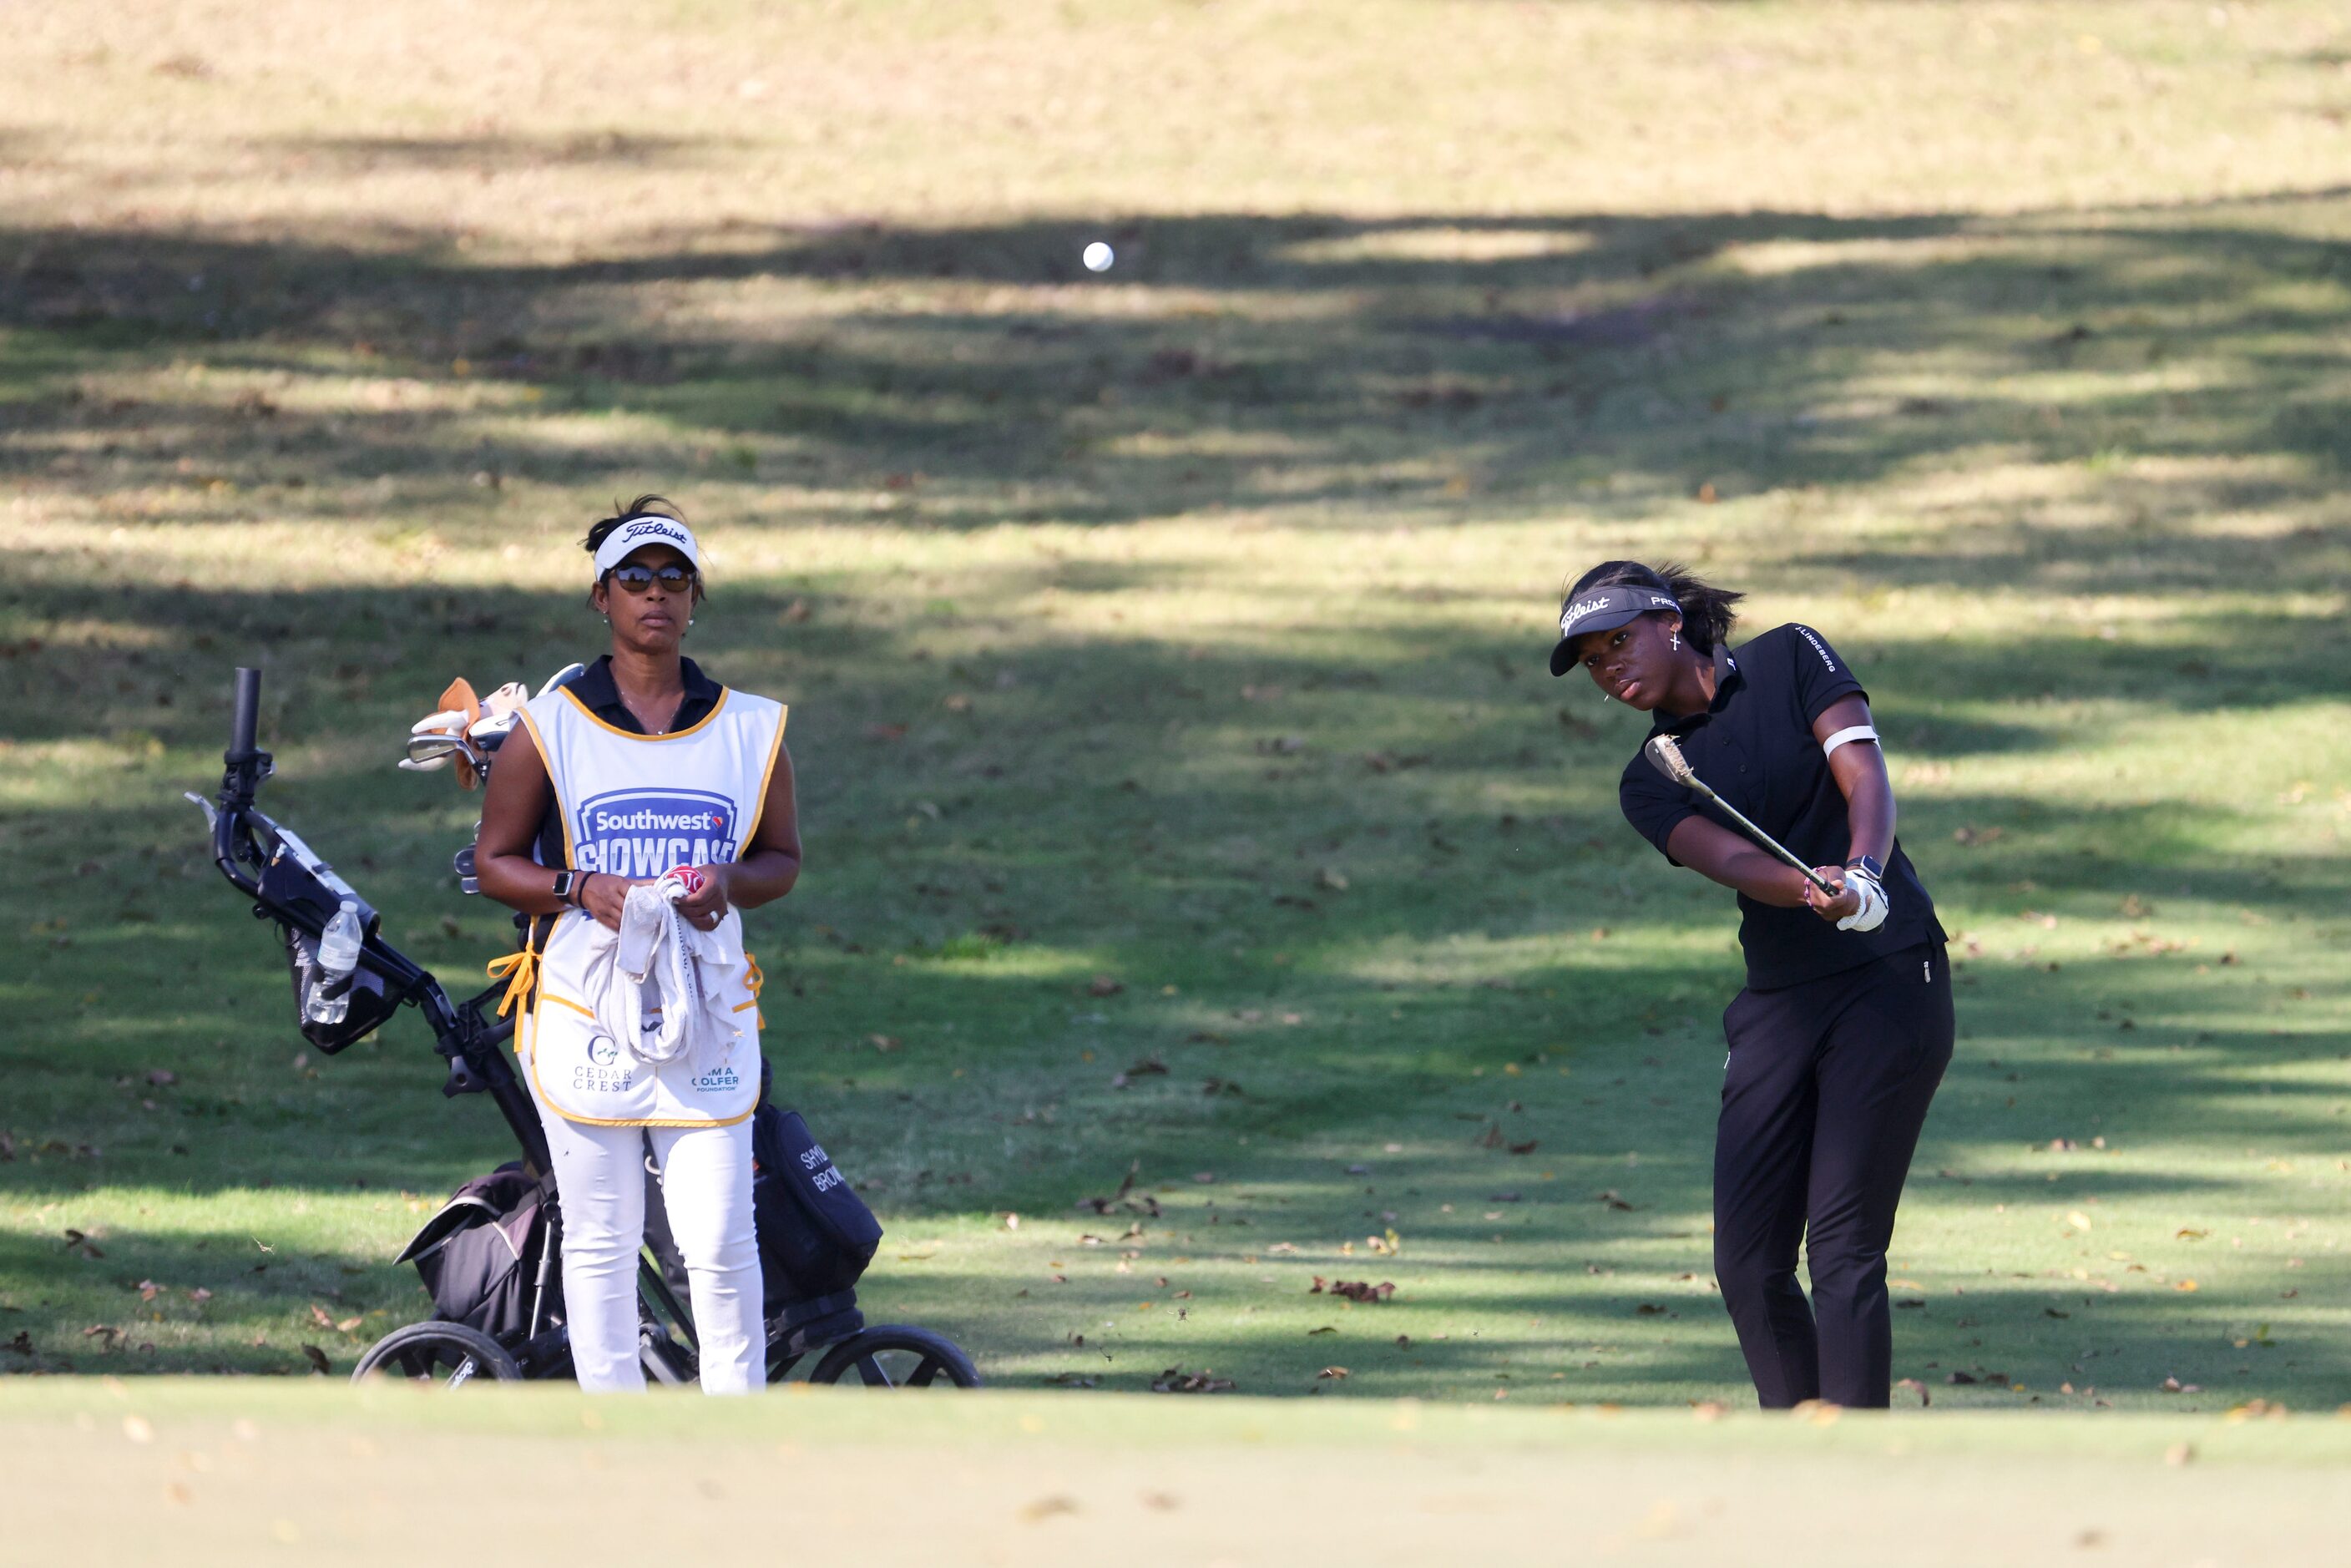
(672, 578)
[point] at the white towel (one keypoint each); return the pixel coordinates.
(657, 958)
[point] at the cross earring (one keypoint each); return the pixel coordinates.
(1677, 641)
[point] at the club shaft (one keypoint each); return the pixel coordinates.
(1762, 838)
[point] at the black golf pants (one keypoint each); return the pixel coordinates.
(1823, 1098)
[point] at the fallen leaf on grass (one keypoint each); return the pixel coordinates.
(1526, 1148)
(1105, 986)
(2186, 1235)
(1651, 1310)
(317, 1360)
(22, 1343)
(1353, 1290)
(1326, 1328)
(77, 1242)
(1176, 1380)
(1045, 1508)
(1612, 1200)
(1333, 1373)
(1912, 1386)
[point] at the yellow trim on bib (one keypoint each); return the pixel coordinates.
(715, 709)
(575, 1007)
(562, 811)
(767, 777)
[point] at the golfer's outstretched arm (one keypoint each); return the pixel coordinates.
(1714, 851)
(1859, 769)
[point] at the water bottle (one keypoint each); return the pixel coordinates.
(339, 955)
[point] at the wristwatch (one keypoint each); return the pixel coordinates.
(565, 879)
(1868, 866)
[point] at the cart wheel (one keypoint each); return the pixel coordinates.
(894, 1357)
(450, 1355)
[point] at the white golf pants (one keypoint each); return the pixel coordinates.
(706, 1182)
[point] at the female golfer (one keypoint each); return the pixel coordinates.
(638, 766)
(1844, 1030)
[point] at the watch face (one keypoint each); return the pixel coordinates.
(1867, 863)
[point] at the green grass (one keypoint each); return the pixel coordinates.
(1211, 597)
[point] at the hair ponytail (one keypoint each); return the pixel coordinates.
(1706, 612)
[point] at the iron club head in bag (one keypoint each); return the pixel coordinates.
(1665, 756)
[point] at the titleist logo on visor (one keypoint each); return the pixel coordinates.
(646, 528)
(1615, 598)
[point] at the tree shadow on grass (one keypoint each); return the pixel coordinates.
(1290, 364)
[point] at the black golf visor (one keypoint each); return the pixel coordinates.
(1604, 609)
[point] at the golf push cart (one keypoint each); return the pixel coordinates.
(490, 1257)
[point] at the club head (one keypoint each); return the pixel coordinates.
(434, 746)
(1665, 756)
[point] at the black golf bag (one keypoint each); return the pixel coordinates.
(481, 1257)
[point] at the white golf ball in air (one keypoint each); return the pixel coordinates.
(1099, 257)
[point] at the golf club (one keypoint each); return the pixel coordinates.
(1666, 757)
(433, 750)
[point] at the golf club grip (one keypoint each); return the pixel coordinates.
(249, 712)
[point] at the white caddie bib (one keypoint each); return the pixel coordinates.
(635, 806)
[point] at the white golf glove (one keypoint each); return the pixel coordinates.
(1875, 905)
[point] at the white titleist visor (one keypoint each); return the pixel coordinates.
(635, 535)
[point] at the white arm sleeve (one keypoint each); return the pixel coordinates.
(1858, 732)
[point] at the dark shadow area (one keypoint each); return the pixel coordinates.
(1619, 361)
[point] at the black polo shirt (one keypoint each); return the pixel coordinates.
(600, 695)
(1754, 747)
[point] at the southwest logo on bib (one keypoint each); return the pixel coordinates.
(645, 832)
